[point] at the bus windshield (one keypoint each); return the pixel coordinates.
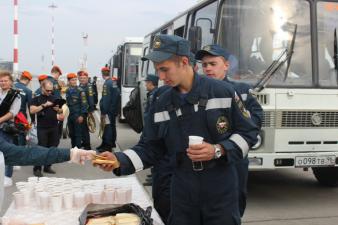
(327, 22)
(132, 56)
(256, 32)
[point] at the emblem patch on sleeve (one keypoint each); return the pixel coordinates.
(222, 125)
(241, 107)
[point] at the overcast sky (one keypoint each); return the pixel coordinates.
(106, 22)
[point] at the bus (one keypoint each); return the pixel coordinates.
(125, 63)
(300, 99)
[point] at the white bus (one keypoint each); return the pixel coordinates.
(300, 102)
(125, 62)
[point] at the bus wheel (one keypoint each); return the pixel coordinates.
(326, 176)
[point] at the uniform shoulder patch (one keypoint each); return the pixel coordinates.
(241, 107)
(222, 124)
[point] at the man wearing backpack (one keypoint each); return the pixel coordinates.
(10, 102)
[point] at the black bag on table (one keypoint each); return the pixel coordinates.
(99, 210)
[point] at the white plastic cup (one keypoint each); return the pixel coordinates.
(120, 196)
(79, 199)
(68, 200)
(196, 140)
(44, 200)
(56, 203)
(26, 197)
(109, 196)
(96, 197)
(18, 200)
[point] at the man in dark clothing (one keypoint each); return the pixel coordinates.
(26, 98)
(77, 103)
(216, 63)
(88, 90)
(47, 123)
(96, 99)
(109, 105)
(193, 105)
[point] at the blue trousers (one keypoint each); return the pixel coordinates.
(109, 134)
(9, 139)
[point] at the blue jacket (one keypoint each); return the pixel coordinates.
(88, 89)
(26, 96)
(250, 101)
(223, 120)
(110, 99)
(77, 102)
(37, 155)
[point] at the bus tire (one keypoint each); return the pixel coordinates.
(326, 176)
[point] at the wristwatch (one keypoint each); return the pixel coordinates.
(218, 151)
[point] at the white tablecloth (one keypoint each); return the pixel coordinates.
(33, 214)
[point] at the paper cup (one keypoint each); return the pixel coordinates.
(68, 200)
(79, 199)
(109, 196)
(195, 140)
(56, 203)
(44, 200)
(96, 197)
(18, 200)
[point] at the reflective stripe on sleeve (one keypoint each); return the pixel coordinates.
(241, 143)
(135, 159)
(178, 112)
(196, 107)
(218, 103)
(161, 116)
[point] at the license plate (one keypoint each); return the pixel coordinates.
(311, 161)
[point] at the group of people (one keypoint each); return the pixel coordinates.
(224, 113)
(46, 109)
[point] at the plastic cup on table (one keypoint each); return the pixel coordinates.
(56, 203)
(68, 200)
(18, 200)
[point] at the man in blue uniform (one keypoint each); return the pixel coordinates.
(95, 91)
(88, 89)
(109, 105)
(151, 83)
(26, 98)
(215, 64)
(78, 109)
(193, 105)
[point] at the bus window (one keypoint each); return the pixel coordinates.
(132, 56)
(255, 32)
(205, 18)
(179, 31)
(327, 22)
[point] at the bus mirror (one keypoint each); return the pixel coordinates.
(195, 38)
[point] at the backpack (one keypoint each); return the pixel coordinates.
(133, 112)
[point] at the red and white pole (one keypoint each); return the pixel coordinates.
(53, 6)
(16, 35)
